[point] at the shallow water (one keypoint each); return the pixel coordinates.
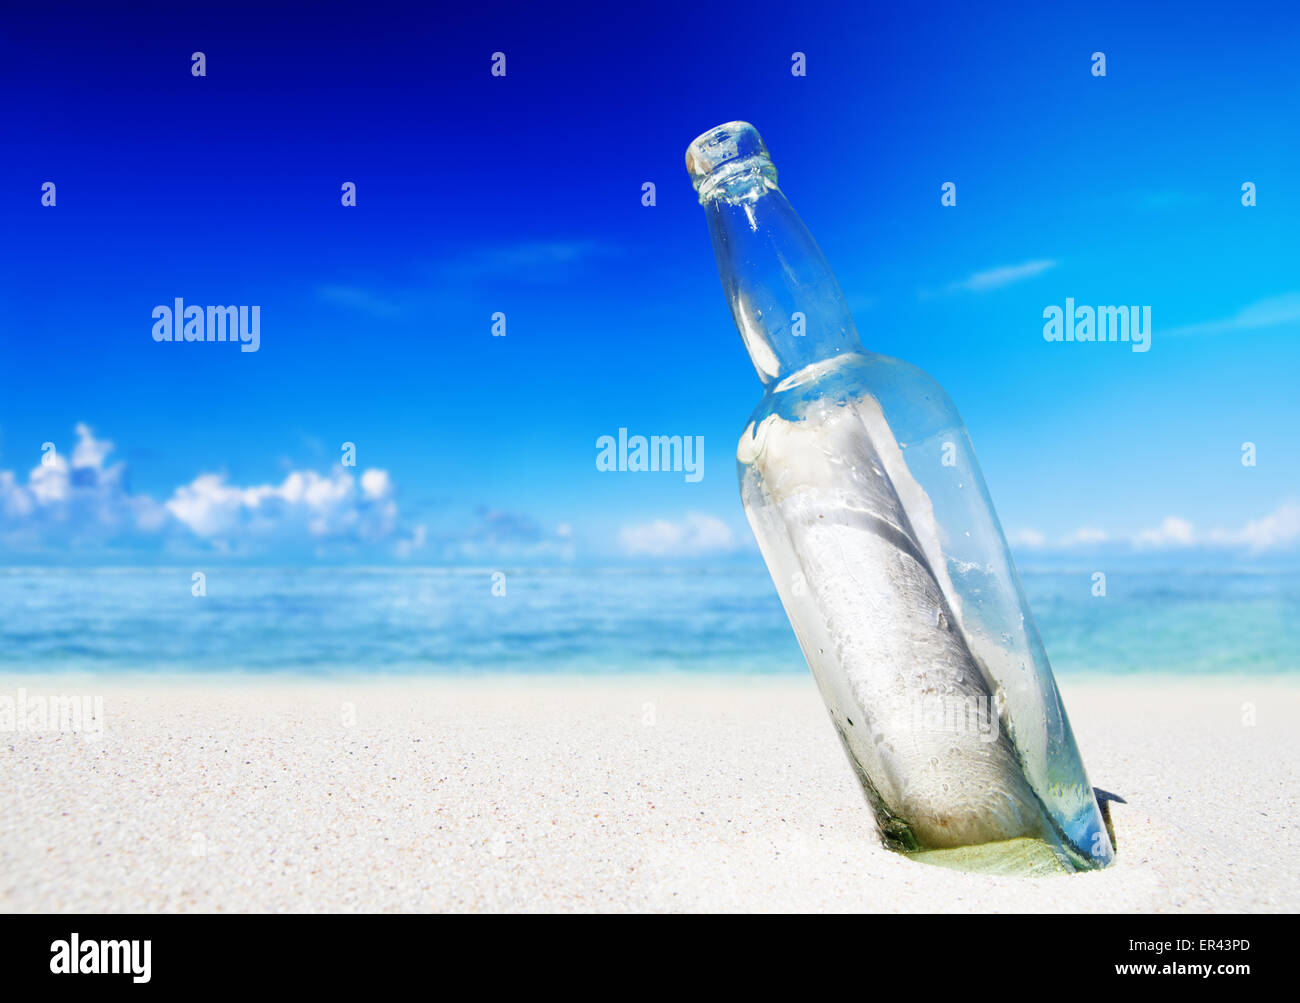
(324, 620)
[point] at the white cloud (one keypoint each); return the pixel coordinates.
(1029, 538)
(996, 278)
(1276, 531)
(1173, 532)
(1085, 536)
(696, 534)
(208, 505)
(15, 503)
(305, 503)
(375, 484)
(80, 499)
(89, 451)
(1281, 528)
(1033, 539)
(74, 497)
(50, 482)
(76, 501)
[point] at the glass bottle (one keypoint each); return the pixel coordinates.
(861, 486)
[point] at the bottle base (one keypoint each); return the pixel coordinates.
(1020, 857)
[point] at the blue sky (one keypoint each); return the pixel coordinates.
(522, 194)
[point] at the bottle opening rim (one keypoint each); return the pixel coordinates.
(723, 144)
(731, 157)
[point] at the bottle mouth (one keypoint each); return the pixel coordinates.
(730, 159)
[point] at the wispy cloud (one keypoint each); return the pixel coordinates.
(996, 278)
(695, 535)
(540, 262)
(357, 298)
(499, 534)
(1277, 531)
(1270, 312)
(534, 262)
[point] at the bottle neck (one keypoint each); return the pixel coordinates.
(784, 297)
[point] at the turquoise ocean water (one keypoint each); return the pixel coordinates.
(341, 620)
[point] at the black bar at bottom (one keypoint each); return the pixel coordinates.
(907, 954)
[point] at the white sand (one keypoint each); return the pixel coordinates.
(652, 793)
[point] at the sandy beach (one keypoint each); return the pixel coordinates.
(651, 793)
